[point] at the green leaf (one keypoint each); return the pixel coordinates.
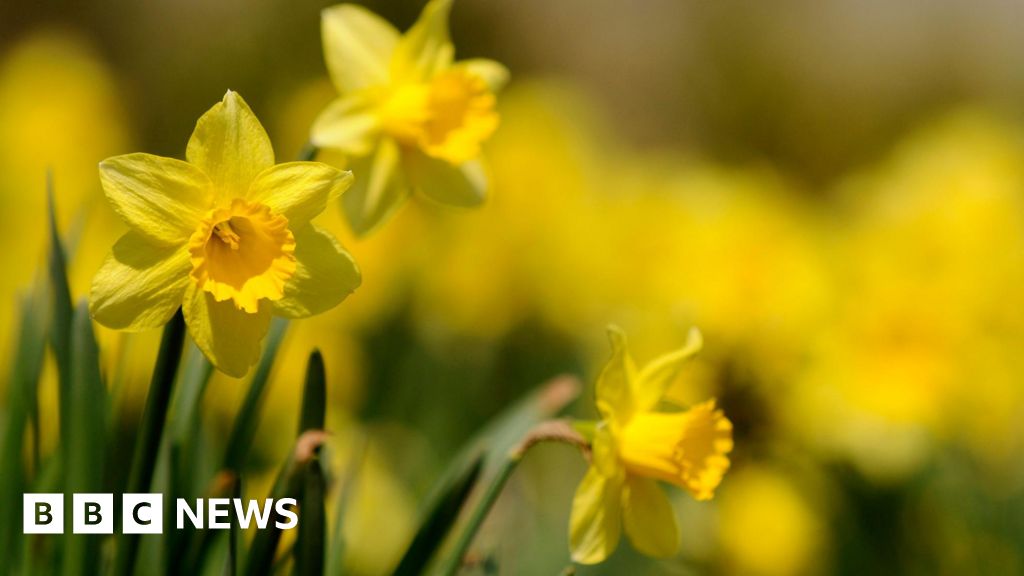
(151, 428)
(314, 395)
(60, 329)
(22, 405)
(493, 442)
(84, 452)
(439, 520)
(309, 544)
(244, 429)
(289, 484)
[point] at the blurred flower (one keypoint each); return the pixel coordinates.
(410, 117)
(767, 527)
(228, 233)
(633, 446)
(42, 128)
(923, 345)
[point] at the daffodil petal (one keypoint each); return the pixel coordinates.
(140, 285)
(358, 46)
(299, 191)
(464, 185)
(162, 199)
(379, 188)
(614, 394)
(603, 452)
(325, 274)
(494, 73)
(230, 145)
(229, 337)
(349, 124)
(648, 518)
(427, 47)
(595, 524)
(654, 380)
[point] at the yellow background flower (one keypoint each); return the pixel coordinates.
(411, 118)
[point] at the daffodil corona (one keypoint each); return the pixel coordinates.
(634, 446)
(227, 236)
(408, 116)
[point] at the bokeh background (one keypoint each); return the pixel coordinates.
(832, 191)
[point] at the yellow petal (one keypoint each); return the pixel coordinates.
(162, 199)
(349, 124)
(614, 398)
(358, 46)
(426, 48)
(325, 275)
(229, 337)
(604, 453)
(231, 146)
(648, 518)
(299, 191)
(379, 188)
(656, 377)
(464, 185)
(140, 285)
(595, 524)
(494, 73)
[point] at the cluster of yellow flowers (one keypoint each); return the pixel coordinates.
(876, 321)
(227, 236)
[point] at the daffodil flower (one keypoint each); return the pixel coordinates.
(634, 446)
(409, 117)
(227, 236)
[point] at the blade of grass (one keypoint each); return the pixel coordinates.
(309, 544)
(550, 431)
(349, 483)
(290, 480)
(147, 443)
(496, 439)
(247, 420)
(289, 484)
(22, 400)
(62, 314)
(84, 451)
(438, 521)
(314, 395)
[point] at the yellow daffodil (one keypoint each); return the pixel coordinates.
(226, 235)
(408, 116)
(634, 446)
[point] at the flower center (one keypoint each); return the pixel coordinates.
(243, 253)
(448, 118)
(684, 448)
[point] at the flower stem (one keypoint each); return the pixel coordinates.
(550, 431)
(147, 444)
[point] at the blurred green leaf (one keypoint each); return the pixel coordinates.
(22, 402)
(439, 520)
(84, 453)
(489, 448)
(60, 328)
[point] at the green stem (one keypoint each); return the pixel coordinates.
(550, 431)
(147, 444)
(479, 514)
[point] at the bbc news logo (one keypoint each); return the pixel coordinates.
(144, 513)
